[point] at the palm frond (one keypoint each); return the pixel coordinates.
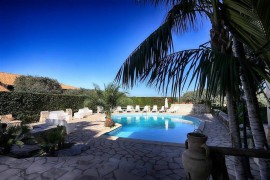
(209, 69)
(175, 2)
(185, 16)
(149, 52)
(249, 21)
(157, 46)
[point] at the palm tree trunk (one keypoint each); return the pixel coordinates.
(235, 136)
(267, 92)
(233, 124)
(215, 33)
(253, 111)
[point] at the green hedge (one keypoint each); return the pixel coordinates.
(27, 106)
(159, 101)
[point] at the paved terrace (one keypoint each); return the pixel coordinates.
(112, 159)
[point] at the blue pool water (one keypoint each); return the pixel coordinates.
(155, 127)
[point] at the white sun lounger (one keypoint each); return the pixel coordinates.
(146, 109)
(162, 109)
(129, 108)
(137, 108)
(119, 109)
(100, 109)
(154, 108)
(173, 109)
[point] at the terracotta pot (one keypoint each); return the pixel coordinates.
(109, 122)
(195, 159)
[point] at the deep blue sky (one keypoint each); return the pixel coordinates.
(79, 42)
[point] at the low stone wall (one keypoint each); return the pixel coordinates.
(191, 108)
(223, 117)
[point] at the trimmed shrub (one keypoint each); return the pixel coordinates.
(27, 106)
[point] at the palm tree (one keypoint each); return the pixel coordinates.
(151, 59)
(253, 29)
(112, 96)
(109, 98)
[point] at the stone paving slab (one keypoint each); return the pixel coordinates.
(112, 159)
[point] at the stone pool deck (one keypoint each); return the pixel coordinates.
(113, 159)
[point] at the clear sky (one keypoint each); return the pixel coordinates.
(80, 42)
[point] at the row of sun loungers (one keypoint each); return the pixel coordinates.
(145, 109)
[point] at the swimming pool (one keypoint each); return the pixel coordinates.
(155, 127)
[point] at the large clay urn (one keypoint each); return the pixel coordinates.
(195, 159)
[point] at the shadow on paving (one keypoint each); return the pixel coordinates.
(105, 159)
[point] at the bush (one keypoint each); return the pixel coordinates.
(27, 106)
(53, 140)
(37, 85)
(12, 135)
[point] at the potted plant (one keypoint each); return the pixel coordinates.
(108, 119)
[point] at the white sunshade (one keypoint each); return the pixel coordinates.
(166, 103)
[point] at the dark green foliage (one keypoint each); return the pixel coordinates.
(263, 114)
(109, 98)
(37, 85)
(112, 96)
(79, 92)
(221, 108)
(124, 102)
(52, 140)
(27, 106)
(12, 135)
(194, 97)
(159, 101)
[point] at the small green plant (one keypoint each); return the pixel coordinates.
(12, 135)
(53, 140)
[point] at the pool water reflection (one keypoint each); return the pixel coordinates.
(155, 127)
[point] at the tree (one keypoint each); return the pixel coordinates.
(109, 98)
(192, 96)
(213, 67)
(37, 85)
